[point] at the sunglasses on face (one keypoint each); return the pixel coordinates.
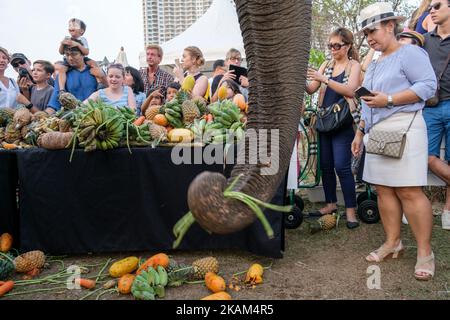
(335, 46)
(16, 64)
(435, 6)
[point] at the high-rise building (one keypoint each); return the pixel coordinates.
(165, 19)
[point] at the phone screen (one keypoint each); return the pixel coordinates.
(363, 92)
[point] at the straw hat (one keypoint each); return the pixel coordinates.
(376, 13)
(412, 35)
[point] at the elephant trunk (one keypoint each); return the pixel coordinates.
(277, 40)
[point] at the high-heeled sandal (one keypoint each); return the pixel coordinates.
(382, 253)
(421, 267)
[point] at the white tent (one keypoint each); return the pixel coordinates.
(216, 32)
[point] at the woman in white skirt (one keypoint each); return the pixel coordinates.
(401, 80)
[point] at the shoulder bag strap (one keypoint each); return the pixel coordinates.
(445, 68)
(323, 87)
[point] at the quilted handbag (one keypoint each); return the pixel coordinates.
(388, 143)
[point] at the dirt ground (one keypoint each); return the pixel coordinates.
(322, 266)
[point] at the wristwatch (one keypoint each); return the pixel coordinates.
(363, 130)
(29, 106)
(390, 103)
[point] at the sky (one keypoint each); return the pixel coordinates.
(35, 28)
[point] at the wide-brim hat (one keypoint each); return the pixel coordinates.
(378, 12)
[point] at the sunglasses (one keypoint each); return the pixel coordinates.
(16, 64)
(336, 46)
(435, 6)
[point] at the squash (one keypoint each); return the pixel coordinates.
(239, 100)
(9, 146)
(123, 267)
(6, 241)
(218, 296)
(181, 135)
(125, 283)
(161, 120)
(255, 274)
(223, 93)
(215, 283)
(140, 121)
(159, 259)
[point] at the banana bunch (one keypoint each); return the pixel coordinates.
(127, 113)
(100, 129)
(150, 284)
(174, 115)
(227, 123)
(138, 136)
(198, 128)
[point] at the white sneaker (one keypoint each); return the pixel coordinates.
(404, 220)
(446, 220)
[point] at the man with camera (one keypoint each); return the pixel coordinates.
(81, 80)
(22, 65)
(437, 112)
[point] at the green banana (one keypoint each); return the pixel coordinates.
(226, 123)
(235, 116)
(163, 277)
(160, 291)
(174, 121)
(174, 113)
(235, 126)
(97, 115)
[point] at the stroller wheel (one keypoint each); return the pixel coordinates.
(293, 219)
(368, 212)
(365, 196)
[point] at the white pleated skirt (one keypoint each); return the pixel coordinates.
(409, 171)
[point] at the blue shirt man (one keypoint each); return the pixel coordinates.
(80, 82)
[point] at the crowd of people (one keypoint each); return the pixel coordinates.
(404, 70)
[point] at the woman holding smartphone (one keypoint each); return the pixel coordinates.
(337, 78)
(401, 80)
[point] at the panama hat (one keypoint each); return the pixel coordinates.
(376, 13)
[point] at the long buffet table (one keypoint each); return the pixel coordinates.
(111, 202)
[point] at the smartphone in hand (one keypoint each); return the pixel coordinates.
(363, 92)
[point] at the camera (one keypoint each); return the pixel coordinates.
(23, 73)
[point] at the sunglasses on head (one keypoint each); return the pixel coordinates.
(17, 63)
(335, 46)
(435, 6)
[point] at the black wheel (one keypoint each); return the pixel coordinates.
(365, 196)
(293, 219)
(368, 212)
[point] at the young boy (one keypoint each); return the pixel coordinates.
(41, 92)
(172, 90)
(77, 28)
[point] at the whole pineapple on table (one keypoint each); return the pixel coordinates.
(325, 223)
(180, 273)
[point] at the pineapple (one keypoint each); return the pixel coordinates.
(203, 266)
(182, 96)
(201, 104)
(327, 222)
(6, 116)
(190, 112)
(40, 115)
(178, 273)
(29, 261)
(12, 135)
(68, 101)
(158, 132)
(2, 134)
(151, 112)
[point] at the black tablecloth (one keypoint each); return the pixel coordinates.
(114, 202)
(8, 185)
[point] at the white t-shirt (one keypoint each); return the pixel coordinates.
(84, 42)
(8, 96)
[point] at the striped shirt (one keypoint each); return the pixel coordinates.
(162, 81)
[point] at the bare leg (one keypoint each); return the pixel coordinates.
(390, 209)
(418, 211)
(447, 202)
(439, 168)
